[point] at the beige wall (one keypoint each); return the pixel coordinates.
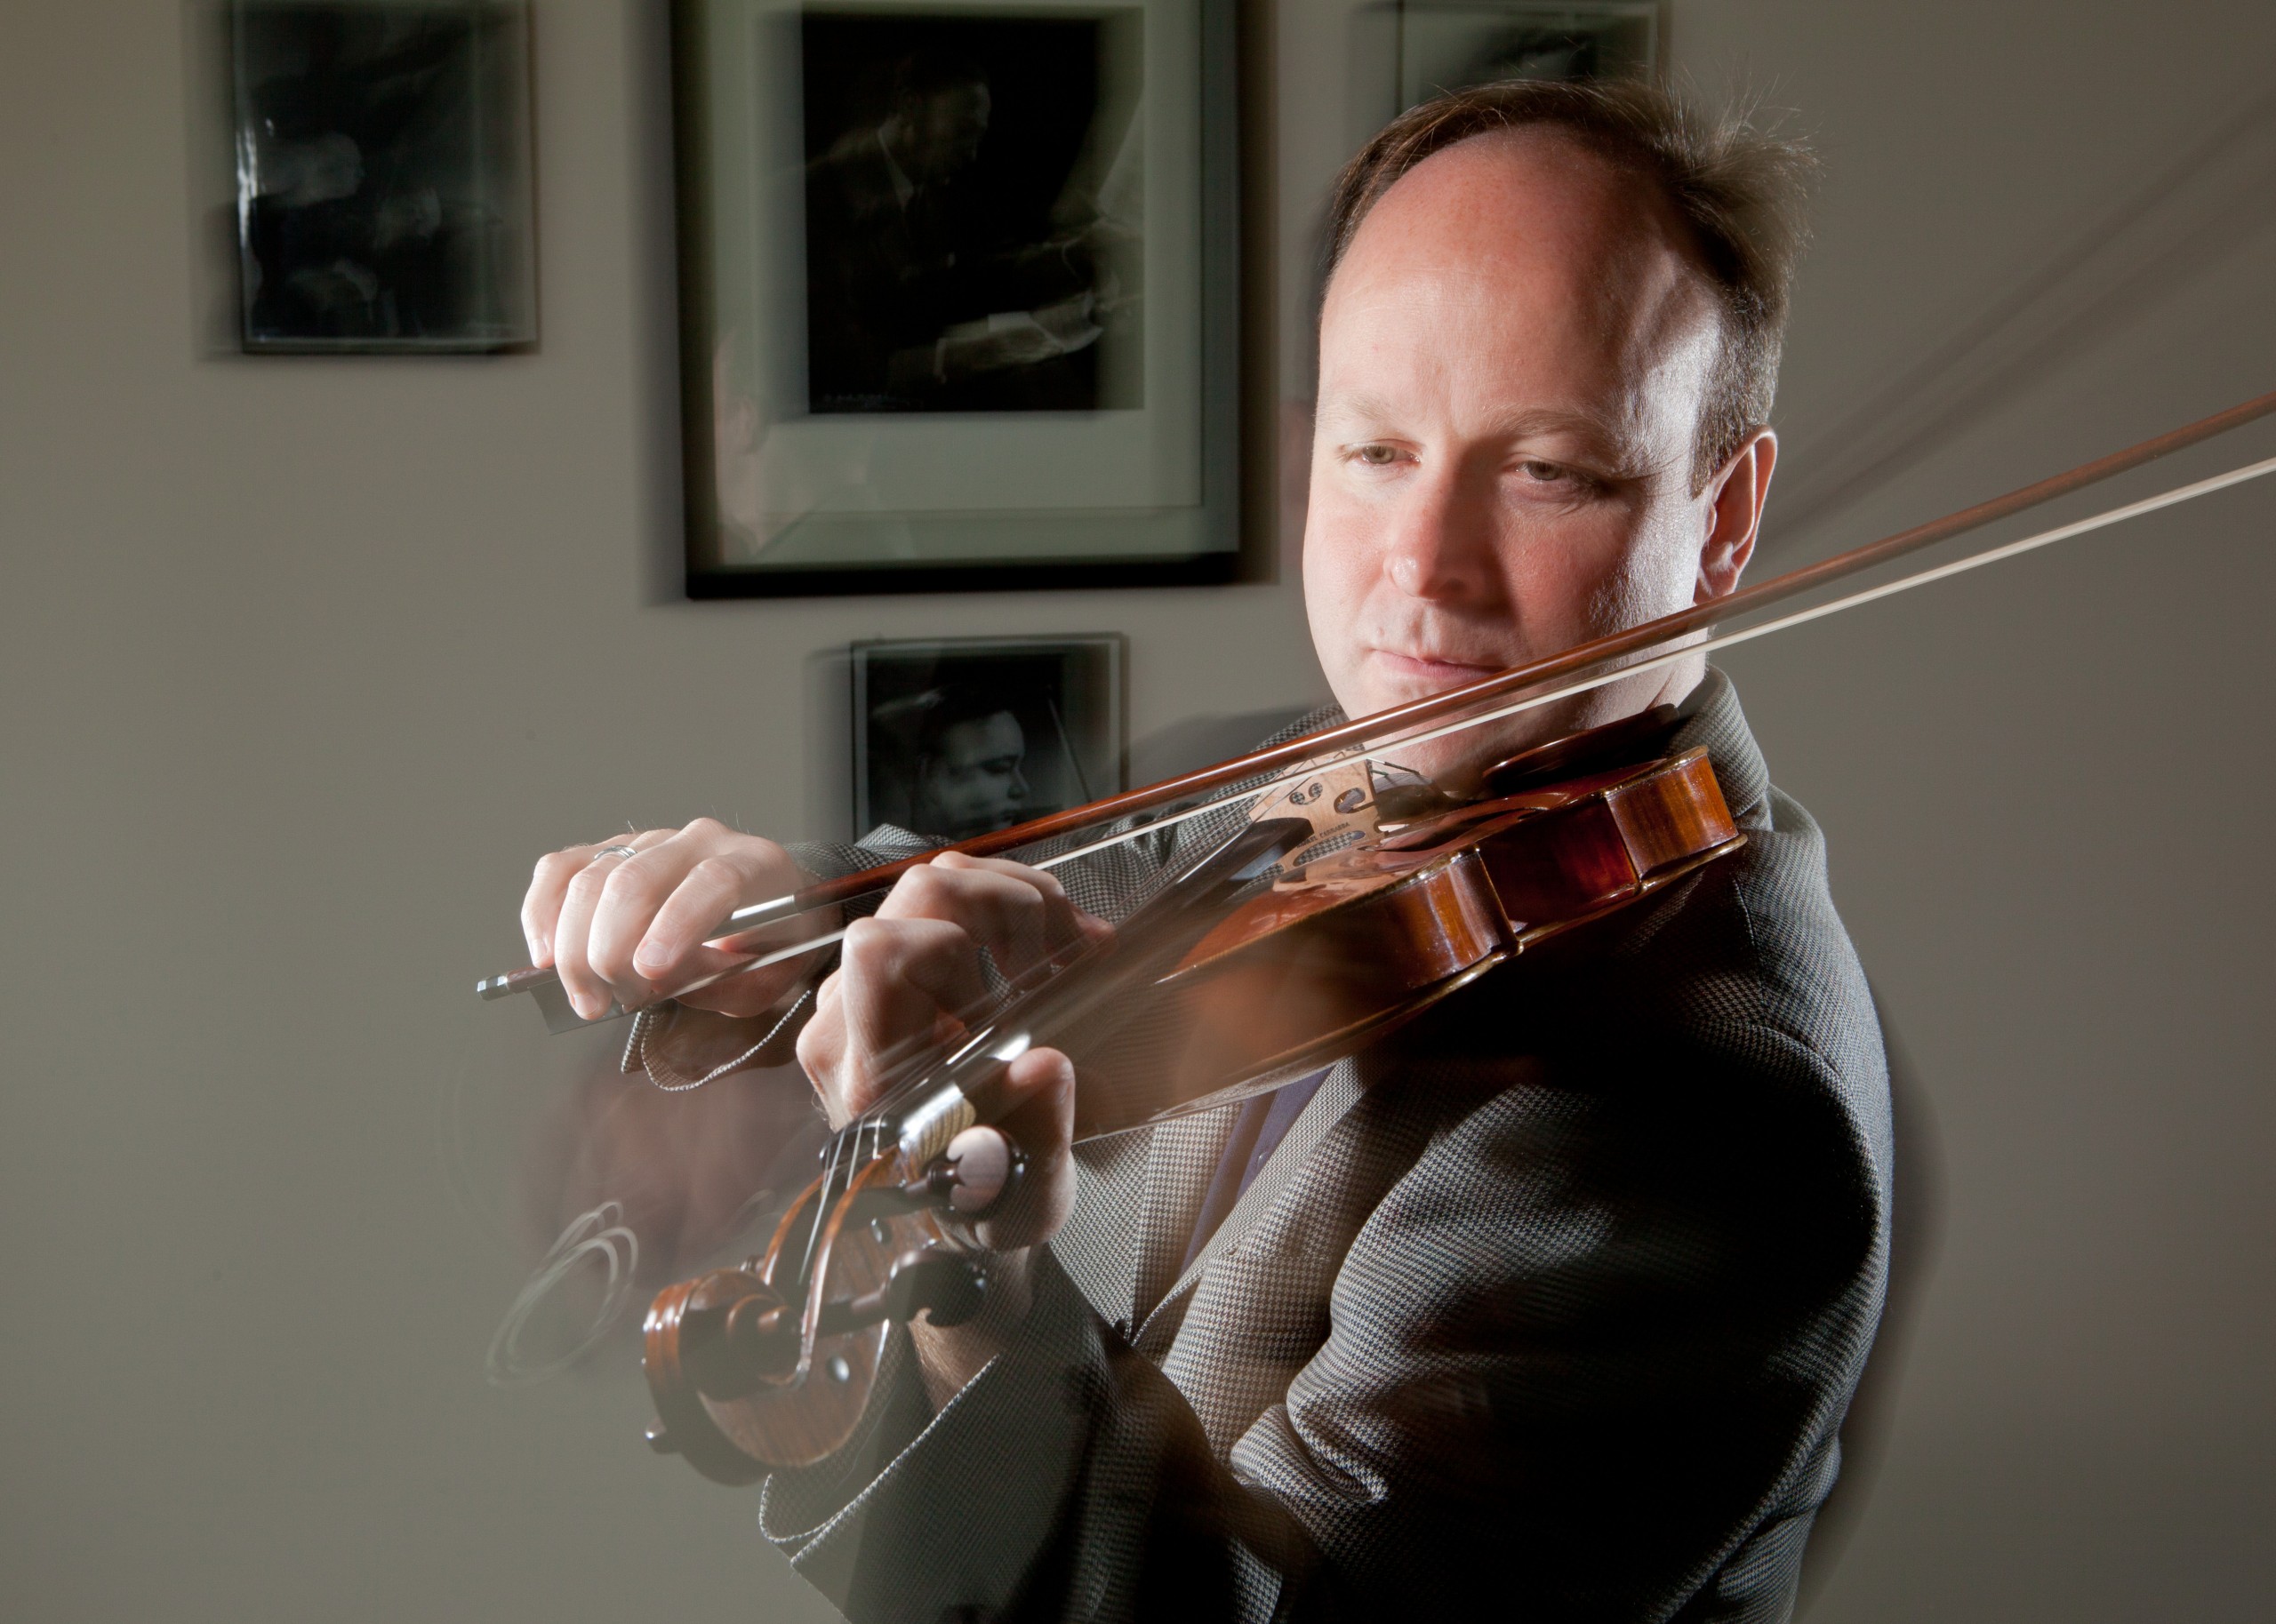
(304, 659)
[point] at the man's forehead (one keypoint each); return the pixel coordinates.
(993, 727)
(1528, 255)
(1533, 207)
(1363, 407)
(1533, 178)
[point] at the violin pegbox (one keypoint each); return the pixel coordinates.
(1337, 800)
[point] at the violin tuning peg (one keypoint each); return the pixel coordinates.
(940, 1182)
(937, 1186)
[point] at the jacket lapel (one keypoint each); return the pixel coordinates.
(1184, 1154)
(1099, 1244)
(1336, 1095)
(1136, 1197)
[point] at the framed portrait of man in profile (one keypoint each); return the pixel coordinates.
(963, 737)
(960, 294)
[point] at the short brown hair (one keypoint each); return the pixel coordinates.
(1741, 191)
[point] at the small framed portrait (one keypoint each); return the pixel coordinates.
(1452, 44)
(963, 737)
(383, 182)
(960, 294)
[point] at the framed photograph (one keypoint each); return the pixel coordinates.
(959, 738)
(960, 294)
(383, 176)
(1452, 44)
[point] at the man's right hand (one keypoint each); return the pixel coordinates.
(631, 929)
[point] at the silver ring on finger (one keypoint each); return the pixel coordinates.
(616, 851)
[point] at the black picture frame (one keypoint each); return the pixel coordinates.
(1455, 45)
(383, 176)
(960, 736)
(790, 490)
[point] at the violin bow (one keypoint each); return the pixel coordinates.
(1576, 670)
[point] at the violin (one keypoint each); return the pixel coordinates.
(1283, 948)
(1341, 908)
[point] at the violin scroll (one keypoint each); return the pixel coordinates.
(748, 1377)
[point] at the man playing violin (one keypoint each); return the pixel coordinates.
(1551, 1301)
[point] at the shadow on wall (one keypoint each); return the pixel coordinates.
(1915, 1230)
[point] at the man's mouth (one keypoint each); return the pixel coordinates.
(1434, 670)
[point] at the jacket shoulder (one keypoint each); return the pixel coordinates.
(1754, 968)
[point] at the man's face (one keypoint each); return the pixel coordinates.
(943, 131)
(972, 783)
(1513, 353)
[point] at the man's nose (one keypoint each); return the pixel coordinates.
(1440, 544)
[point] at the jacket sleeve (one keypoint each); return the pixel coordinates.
(1588, 1357)
(1059, 1484)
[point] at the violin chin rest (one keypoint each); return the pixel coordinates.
(1630, 741)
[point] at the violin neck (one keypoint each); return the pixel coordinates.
(944, 1093)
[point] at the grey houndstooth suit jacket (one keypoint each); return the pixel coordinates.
(1551, 1304)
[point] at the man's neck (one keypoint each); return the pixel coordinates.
(1679, 681)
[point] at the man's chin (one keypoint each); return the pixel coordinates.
(1456, 762)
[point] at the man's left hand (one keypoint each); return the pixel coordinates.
(911, 973)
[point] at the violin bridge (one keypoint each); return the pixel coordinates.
(1337, 800)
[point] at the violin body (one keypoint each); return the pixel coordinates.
(769, 1364)
(1344, 950)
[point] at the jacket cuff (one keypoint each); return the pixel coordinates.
(919, 1516)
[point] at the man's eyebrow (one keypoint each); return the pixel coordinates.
(1543, 420)
(1357, 407)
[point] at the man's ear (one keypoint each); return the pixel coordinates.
(1734, 514)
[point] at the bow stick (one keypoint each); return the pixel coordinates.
(1576, 670)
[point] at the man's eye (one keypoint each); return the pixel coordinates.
(1546, 472)
(1377, 456)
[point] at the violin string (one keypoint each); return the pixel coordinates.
(1580, 686)
(845, 1148)
(913, 1063)
(826, 1199)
